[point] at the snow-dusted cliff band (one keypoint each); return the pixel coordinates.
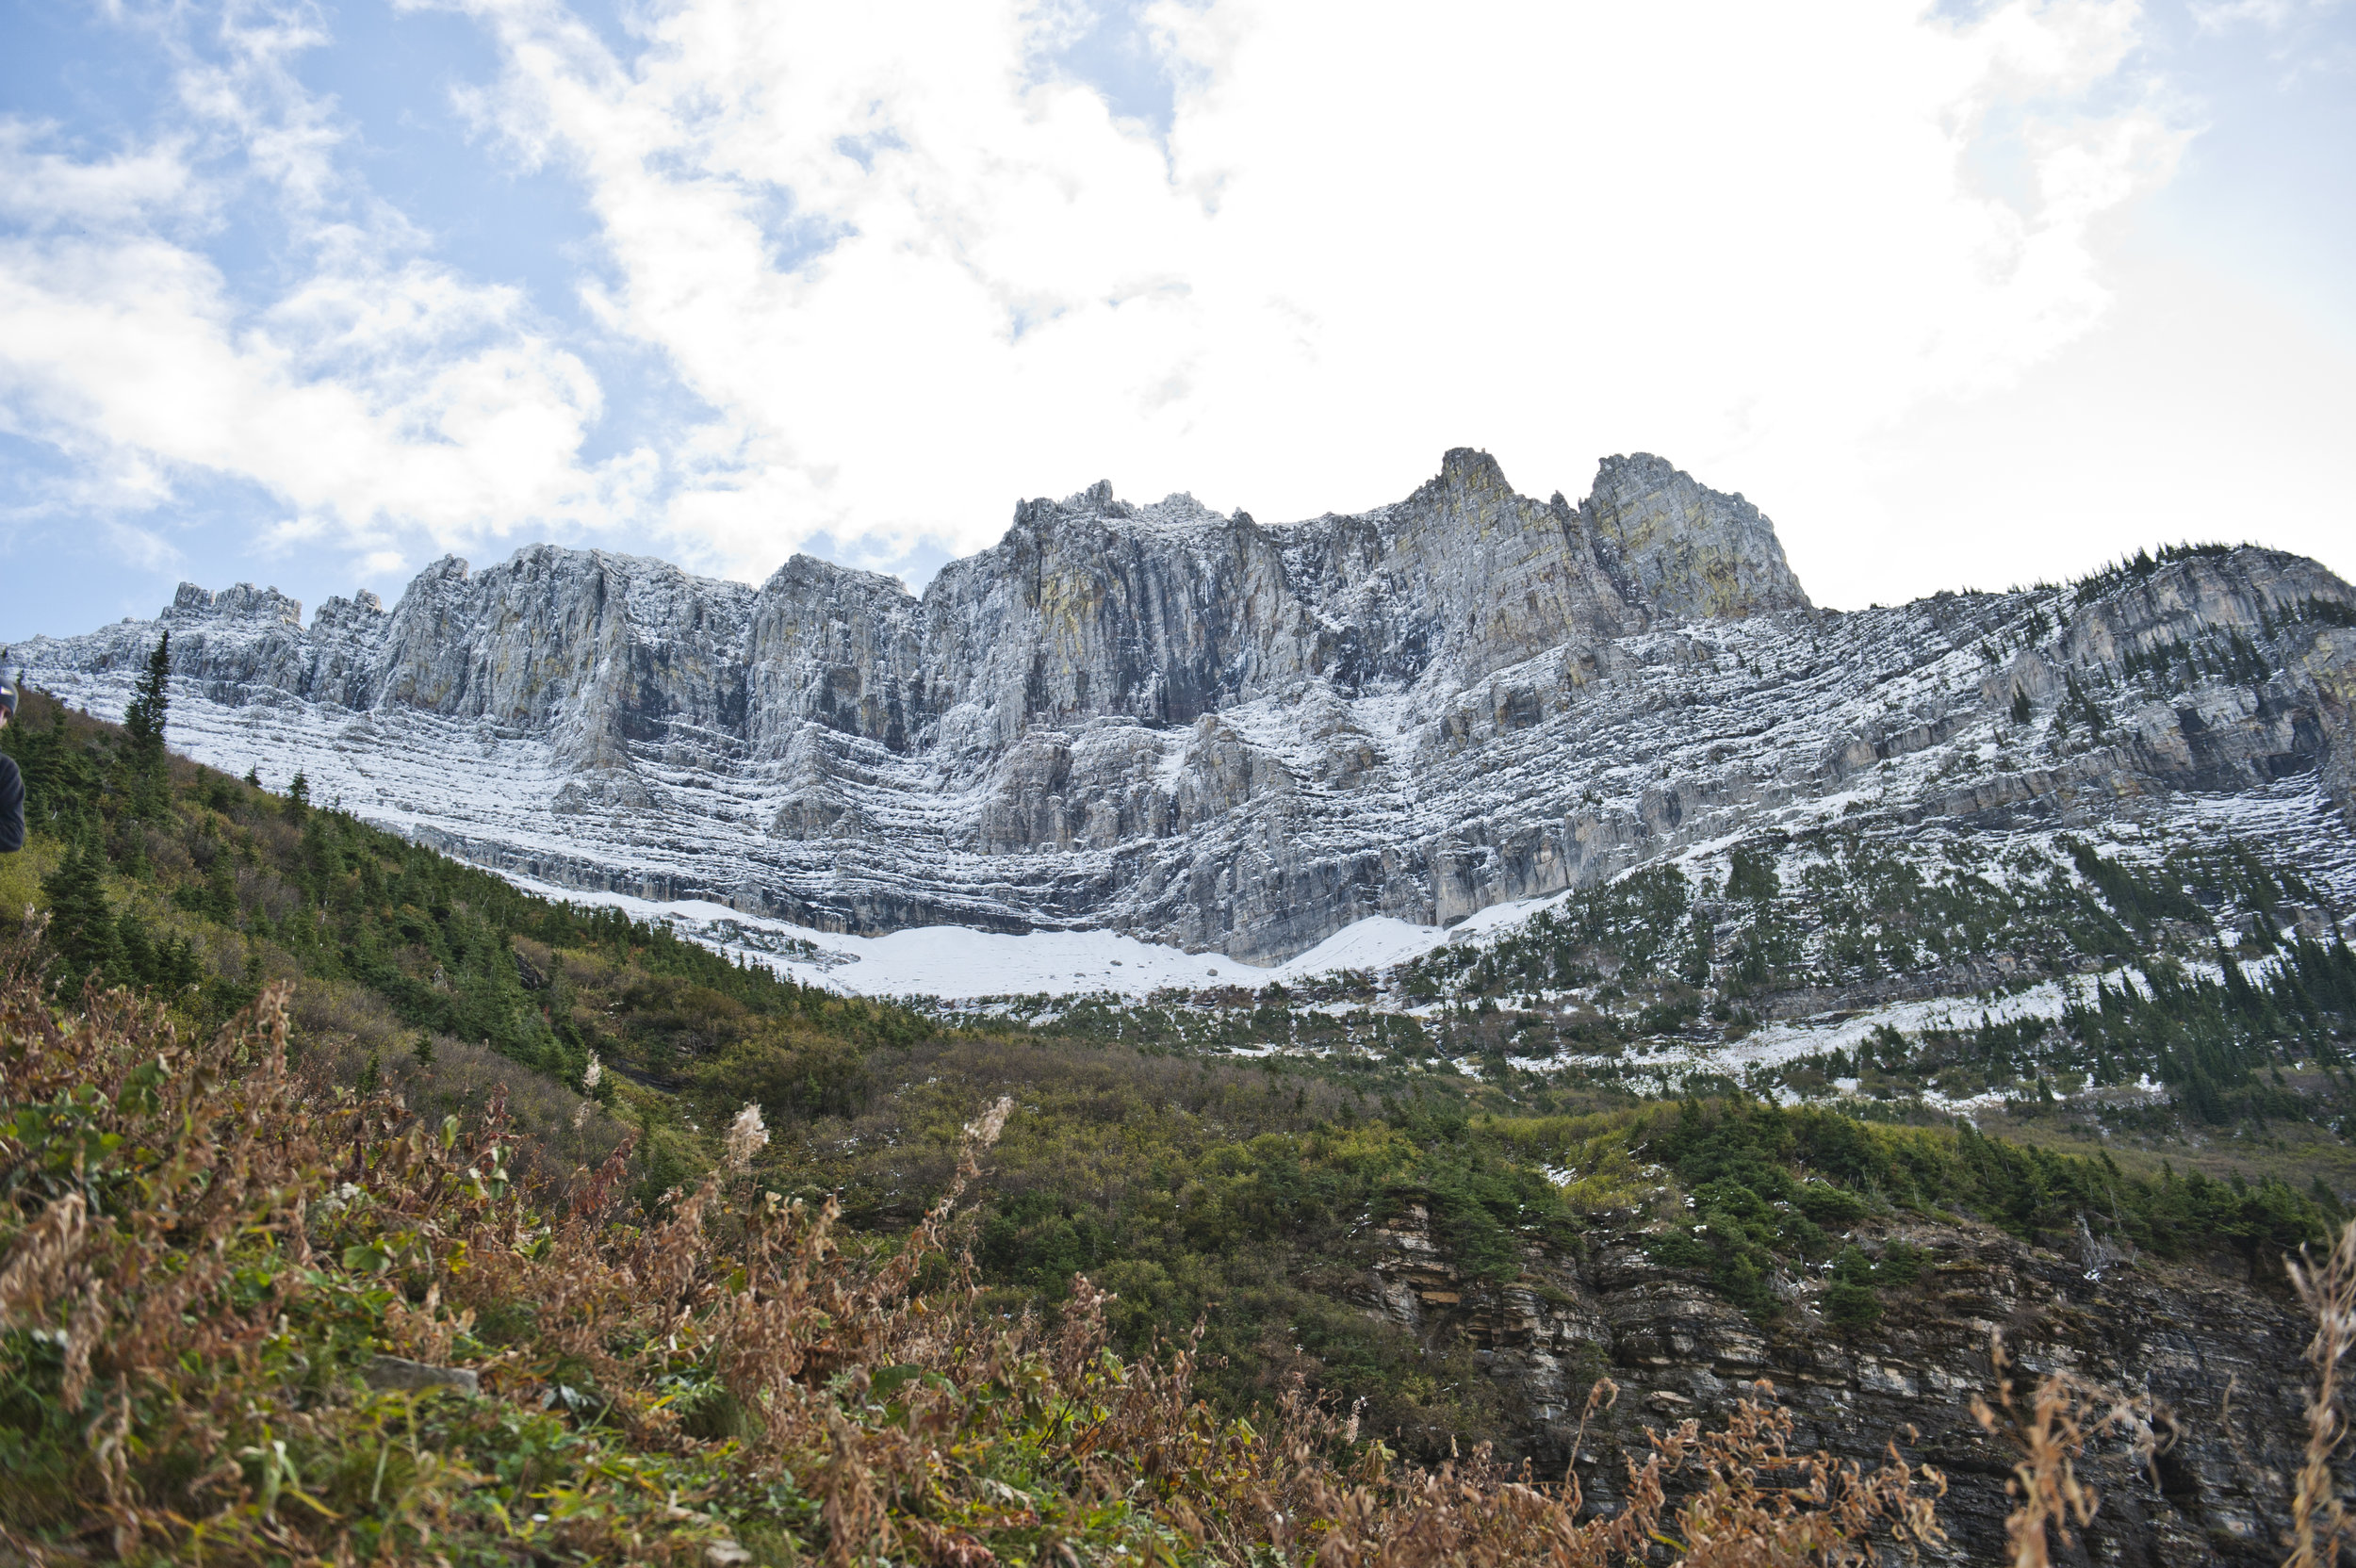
(1233, 737)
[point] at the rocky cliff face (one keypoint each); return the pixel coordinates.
(1231, 736)
(2220, 1356)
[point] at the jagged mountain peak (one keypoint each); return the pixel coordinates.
(1686, 550)
(1242, 738)
(1468, 468)
(239, 602)
(1097, 504)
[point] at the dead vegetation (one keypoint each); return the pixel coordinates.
(2050, 1429)
(2319, 1521)
(206, 1255)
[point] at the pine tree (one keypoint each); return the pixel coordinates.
(143, 727)
(131, 851)
(143, 719)
(218, 897)
(82, 927)
(140, 955)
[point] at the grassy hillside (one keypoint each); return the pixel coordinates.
(683, 1218)
(248, 1318)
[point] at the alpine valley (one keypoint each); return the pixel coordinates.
(1447, 955)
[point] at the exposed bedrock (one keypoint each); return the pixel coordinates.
(2211, 1349)
(1230, 735)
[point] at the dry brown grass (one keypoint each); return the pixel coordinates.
(871, 1380)
(1750, 1503)
(2319, 1521)
(202, 1250)
(2050, 1431)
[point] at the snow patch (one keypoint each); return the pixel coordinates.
(950, 962)
(1376, 943)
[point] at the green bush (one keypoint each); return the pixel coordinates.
(1850, 1302)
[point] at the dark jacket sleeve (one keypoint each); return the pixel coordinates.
(11, 807)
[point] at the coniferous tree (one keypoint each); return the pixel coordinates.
(143, 719)
(131, 851)
(141, 959)
(82, 927)
(143, 729)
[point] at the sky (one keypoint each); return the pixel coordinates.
(1961, 294)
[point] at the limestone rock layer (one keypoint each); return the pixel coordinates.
(1239, 737)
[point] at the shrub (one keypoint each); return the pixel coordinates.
(1850, 1300)
(236, 1306)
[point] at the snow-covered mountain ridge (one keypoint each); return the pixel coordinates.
(1237, 739)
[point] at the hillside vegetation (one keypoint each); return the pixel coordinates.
(285, 1096)
(233, 1301)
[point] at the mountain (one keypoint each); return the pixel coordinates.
(1236, 738)
(1975, 966)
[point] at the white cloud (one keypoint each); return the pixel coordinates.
(379, 395)
(1373, 232)
(41, 190)
(2218, 16)
(912, 271)
(2198, 409)
(142, 547)
(371, 402)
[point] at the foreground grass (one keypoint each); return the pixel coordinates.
(253, 1318)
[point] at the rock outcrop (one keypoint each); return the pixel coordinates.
(1231, 736)
(2217, 1354)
